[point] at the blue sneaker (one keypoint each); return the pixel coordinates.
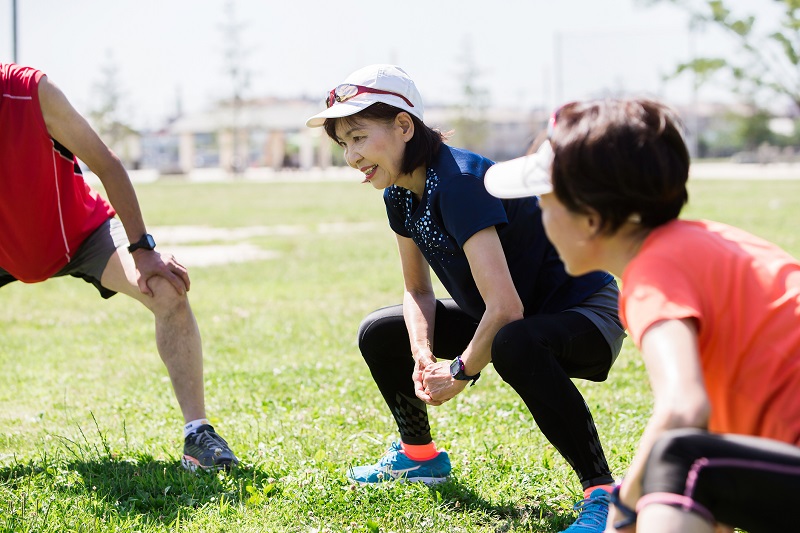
(592, 513)
(396, 466)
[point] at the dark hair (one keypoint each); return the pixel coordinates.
(621, 158)
(420, 150)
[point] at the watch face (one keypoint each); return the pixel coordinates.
(151, 243)
(455, 368)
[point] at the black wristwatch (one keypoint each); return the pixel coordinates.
(457, 371)
(145, 243)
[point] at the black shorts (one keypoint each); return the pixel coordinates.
(91, 258)
(747, 482)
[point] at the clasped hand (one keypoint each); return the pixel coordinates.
(433, 383)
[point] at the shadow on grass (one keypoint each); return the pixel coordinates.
(155, 491)
(460, 497)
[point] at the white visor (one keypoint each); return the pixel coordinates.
(521, 177)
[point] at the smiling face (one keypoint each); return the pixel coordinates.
(376, 148)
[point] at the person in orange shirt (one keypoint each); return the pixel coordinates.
(714, 310)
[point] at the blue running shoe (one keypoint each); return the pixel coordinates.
(396, 466)
(592, 513)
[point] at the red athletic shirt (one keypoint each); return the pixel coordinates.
(46, 208)
(744, 293)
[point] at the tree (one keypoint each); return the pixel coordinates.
(470, 125)
(765, 62)
(754, 130)
(106, 113)
(239, 75)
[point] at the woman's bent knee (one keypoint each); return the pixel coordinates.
(382, 332)
(510, 345)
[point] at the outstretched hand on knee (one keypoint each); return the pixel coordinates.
(150, 264)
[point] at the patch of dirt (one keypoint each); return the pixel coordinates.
(178, 240)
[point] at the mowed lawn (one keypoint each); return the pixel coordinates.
(90, 432)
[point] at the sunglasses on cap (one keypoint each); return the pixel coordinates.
(346, 91)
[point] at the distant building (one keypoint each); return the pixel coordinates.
(256, 133)
(159, 151)
(271, 133)
(508, 133)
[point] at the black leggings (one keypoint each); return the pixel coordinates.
(537, 356)
(747, 482)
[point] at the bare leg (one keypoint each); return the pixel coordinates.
(177, 334)
(657, 518)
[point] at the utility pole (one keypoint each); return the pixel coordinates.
(695, 24)
(14, 29)
(558, 69)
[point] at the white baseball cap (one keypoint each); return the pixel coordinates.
(521, 177)
(374, 83)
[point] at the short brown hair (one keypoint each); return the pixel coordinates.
(620, 158)
(420, 150)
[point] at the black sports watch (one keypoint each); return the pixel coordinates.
(457, 371)
(145, 243)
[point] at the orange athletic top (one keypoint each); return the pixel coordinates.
(46, 208)
(745, 294)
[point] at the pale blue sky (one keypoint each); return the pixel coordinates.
(163, 48)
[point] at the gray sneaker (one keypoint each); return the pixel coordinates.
(206, 450)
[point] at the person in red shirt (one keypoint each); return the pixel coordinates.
(714, 310)
(54, 224)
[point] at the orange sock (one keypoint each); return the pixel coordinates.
(607, 488)
(420, 452)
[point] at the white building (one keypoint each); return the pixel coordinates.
(271, 134)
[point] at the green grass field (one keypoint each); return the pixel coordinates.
(90, 433)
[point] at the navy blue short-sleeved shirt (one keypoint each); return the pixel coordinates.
(455, 206)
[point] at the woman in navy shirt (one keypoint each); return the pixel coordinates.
(512, 303)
